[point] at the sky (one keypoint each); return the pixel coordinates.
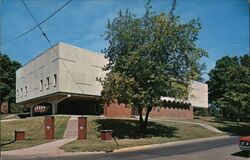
(225, 25)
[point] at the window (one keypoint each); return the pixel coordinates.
(54, 80)
(26, 91)
(47, 82)
(41, 85)
(17, 94)
(21, 93)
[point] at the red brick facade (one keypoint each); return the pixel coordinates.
(117, 110)
(121, 110)
(178, 113)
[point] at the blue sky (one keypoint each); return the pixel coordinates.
(225, 24)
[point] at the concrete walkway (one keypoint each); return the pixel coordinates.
(207, 126)
(51, 148)
(72, 126)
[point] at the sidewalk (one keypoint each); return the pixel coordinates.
(72, 126)
(47, 149)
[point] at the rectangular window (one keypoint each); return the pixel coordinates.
(26, 91)
(47, 82)
(41, 85)
(21, 93)
(54, 80)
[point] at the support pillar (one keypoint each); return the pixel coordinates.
(31, 111)
(82, 127)
(49, 127)
(54, 108)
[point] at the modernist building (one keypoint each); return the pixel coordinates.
(65, 80)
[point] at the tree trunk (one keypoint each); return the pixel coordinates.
(146, 116)
(141, 125)
(238, 116)
(9, 109)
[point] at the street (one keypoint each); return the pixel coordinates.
(221, 149)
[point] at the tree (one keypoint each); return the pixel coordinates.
(229, 85)
(149, 57)
(8, 79)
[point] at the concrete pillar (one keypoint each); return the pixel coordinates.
(54, 108)
(82, 127)
(31, 111)
(49, 127)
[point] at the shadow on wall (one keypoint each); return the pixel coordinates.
(129, 129)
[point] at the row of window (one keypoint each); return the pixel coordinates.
(47, 85)
(23, 92)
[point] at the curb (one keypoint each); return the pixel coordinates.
(152, 146)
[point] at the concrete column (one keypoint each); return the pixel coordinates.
(31, 111)
(54, 108)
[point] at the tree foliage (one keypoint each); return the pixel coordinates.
(8, 78)
(150, 57)
(229, 85)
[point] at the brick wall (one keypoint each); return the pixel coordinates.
(178, 113)
(121, 110)
(117, 110)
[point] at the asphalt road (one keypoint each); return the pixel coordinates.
(222, 149)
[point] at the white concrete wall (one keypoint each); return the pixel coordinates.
(199, 94)
(77, 70)
(43, 66)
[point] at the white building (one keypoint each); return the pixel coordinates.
(66, 76)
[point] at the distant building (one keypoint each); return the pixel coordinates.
(65, 80)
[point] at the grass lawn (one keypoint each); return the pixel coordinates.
(127, 134)
(34, 132)
(226, 126)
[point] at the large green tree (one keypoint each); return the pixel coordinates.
(150, 57)
(8, 69)
(229, 85)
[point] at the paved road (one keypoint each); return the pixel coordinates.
(220, 149)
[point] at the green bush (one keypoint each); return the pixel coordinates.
(15, 108)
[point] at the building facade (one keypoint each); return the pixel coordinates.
(65, 79)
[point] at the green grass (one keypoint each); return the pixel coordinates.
(229, 127)
(34, 132)
(127, 134)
